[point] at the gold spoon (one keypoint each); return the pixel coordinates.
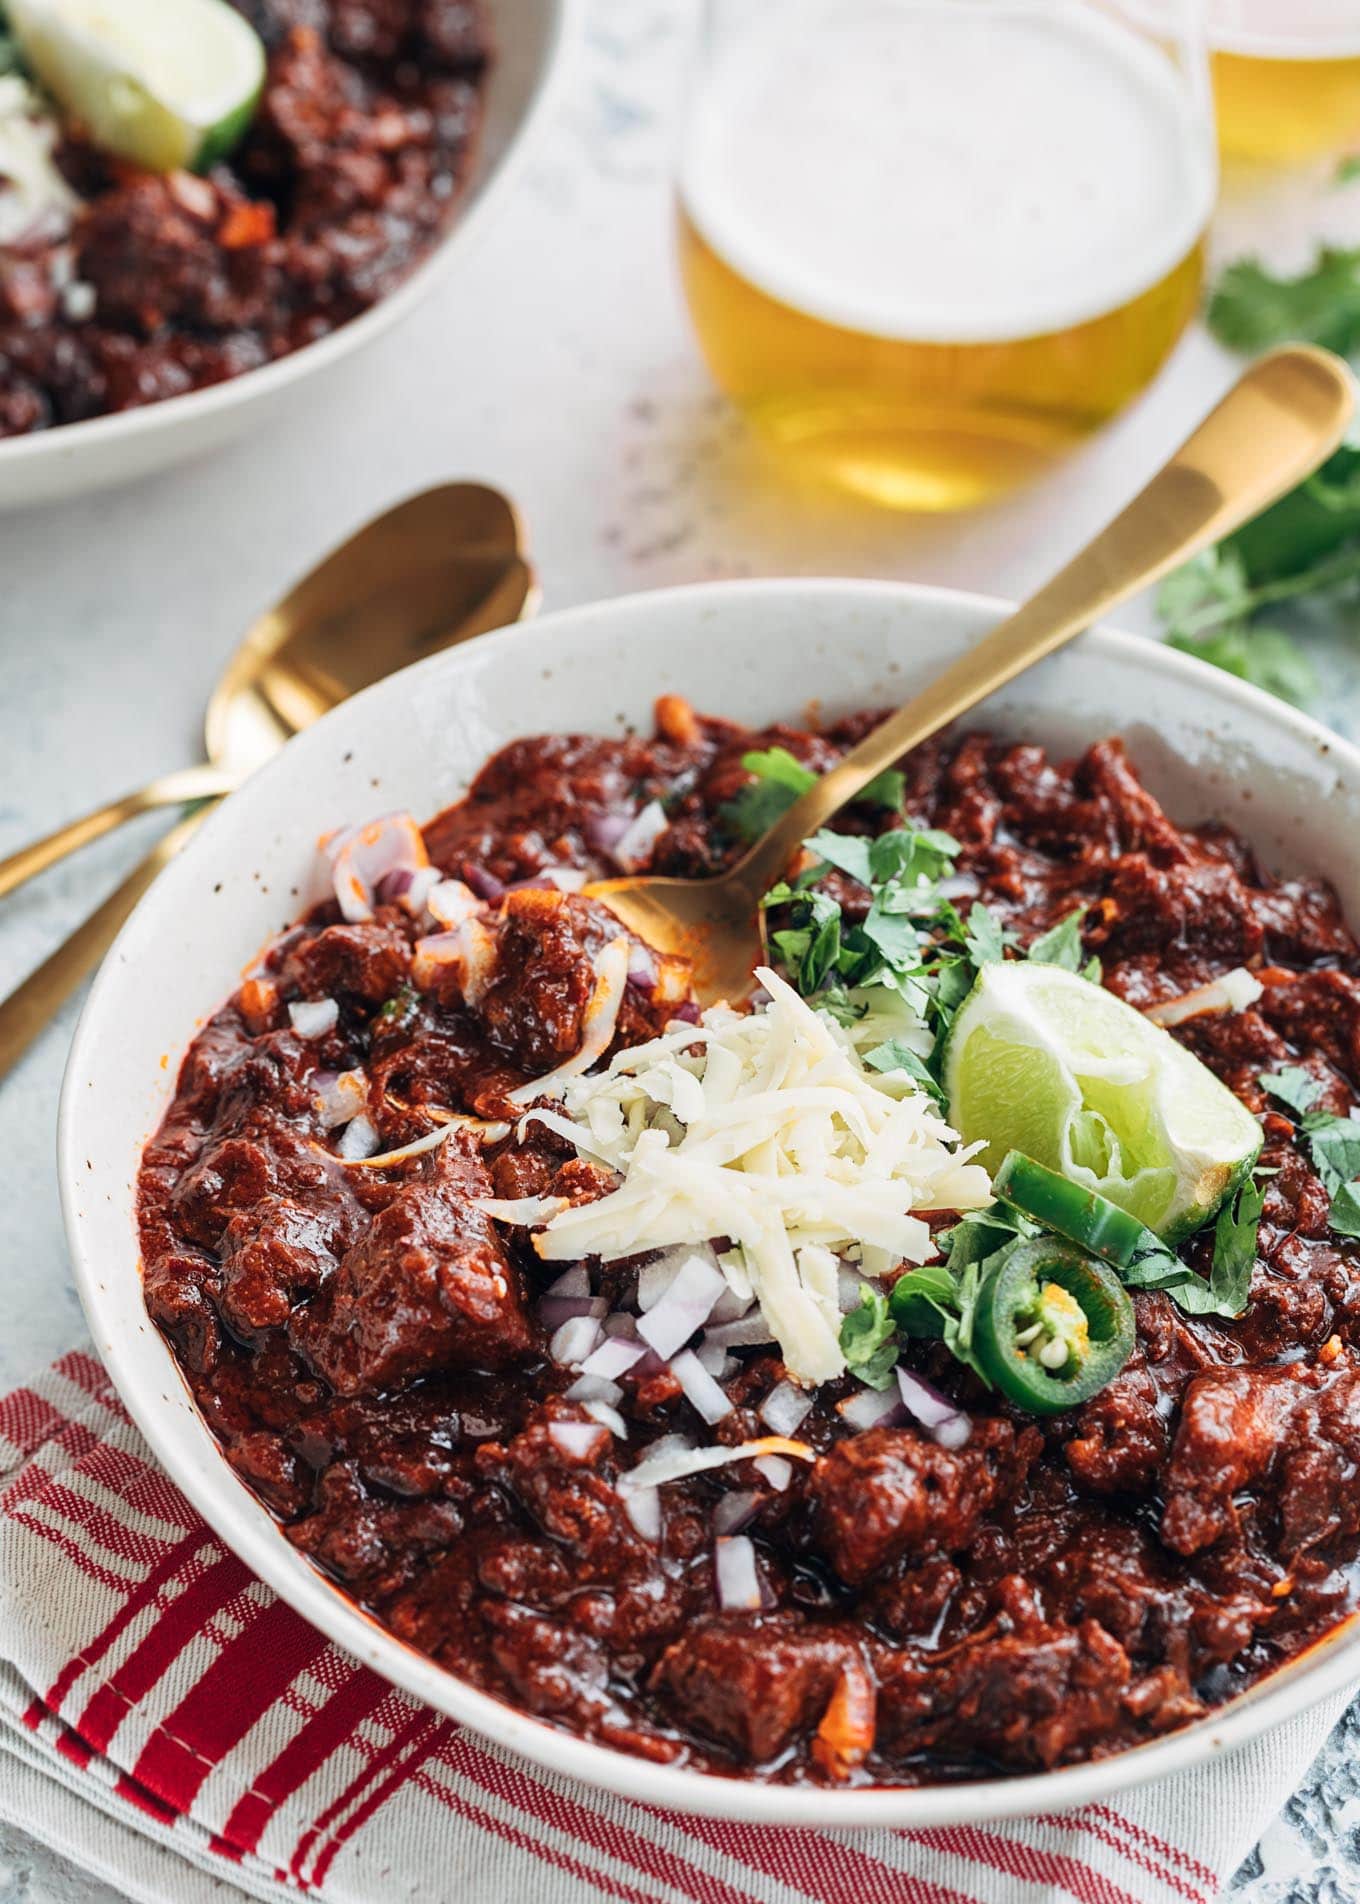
(435, 571)
(443, 564)
(1285, 415)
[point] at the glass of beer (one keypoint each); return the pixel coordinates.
(1286, 77)
(931, 245)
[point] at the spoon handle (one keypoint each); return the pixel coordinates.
(1285, 415)
(170, 790)
(35, 1001)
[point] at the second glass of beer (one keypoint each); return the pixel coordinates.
(929, 245)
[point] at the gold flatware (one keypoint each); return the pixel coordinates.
(433, 572)
(1285, 415)
(438, 568)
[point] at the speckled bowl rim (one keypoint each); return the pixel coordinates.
(150, 1384)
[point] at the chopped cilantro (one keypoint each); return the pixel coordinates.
(1293, 1086)
(1061, 944)
(869, 1340)
(986, 939)
(893, 1055)
(1224, 1291)
(397, 1009)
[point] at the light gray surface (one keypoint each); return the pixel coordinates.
(560, 366)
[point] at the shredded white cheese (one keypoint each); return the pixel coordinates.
(34, 197)
(765, 1127)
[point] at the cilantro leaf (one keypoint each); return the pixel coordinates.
(1344, 1215)
(893, 1055)
(1251, 308)
(847, 852)
(986, 939)
(888, 789)
(1061, 944)
(869, 1340)
(1335, 1146)
(1266, 657)
(779, 780)
(1293, 1086)
(1235, 1235)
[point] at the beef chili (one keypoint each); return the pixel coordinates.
(130, 286)
(524, 1463)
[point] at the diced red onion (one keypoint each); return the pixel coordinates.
(608, 1416)
(450, 901)
(941, 1419)
(643, 1508)
(686, 1012)
(605, 830)
(660, 1270)
(633, 848)
(730, 1307)
(362, 857)
(578, 1440)
(871, 1407)
(776, 1468)
(572, 1282)
(700, 1389)
(734, 1566)
(620, 1323)
(358, 1139)
(784, 1408)
(850, 1287)
(685, 1307)
(484, 884)
(712, 1356)
(573, 1341)
(313, 1017)
(340, 1096)
(736, 1510)
(594, 1388)
(553, 1311)
(615, 1356)
(641, 969)
(745, 1333)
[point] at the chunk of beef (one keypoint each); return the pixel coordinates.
(427, 1286)
(1027, 1699)
(1320, 1467)
(373, 1545)
(756, 1682)
(542, 978)
(1191, 905)
(369, 961)
(275, 1252)
(1318, 1010)
(1231, 1427)
(556, 1476)
(891, 1492)
(1121, 1439)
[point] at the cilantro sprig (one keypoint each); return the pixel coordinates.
(1224, 606)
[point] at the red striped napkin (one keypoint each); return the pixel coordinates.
(171, 1726)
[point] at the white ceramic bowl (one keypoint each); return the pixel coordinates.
(533, 38)
(1208, 746)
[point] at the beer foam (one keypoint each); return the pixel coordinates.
(1268, 29)
(945, 173)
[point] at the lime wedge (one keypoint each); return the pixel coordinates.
(1044, 1062)
(169, 84)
